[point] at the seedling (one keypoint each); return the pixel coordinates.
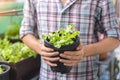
(63, 37)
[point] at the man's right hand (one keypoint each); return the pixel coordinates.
(48, 55)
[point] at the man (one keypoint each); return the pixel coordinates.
(88, 17)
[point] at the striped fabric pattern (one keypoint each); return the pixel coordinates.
(87, 16)
(117, 7)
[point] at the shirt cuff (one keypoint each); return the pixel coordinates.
(22, 34)
(113, 33)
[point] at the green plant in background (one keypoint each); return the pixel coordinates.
(14, 52)
(62, 37)
(13, 30)
(1, 70)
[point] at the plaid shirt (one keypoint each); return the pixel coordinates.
(117, 7)
(87, 16)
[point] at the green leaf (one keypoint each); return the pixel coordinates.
(1, 69)
(14, 52)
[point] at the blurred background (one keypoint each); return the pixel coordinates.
(13, 51)
(11, 14)
(11, 0)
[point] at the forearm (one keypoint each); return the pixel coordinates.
(31, 42)
(103, 46)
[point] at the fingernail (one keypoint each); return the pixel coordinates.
(60, 60)
(60, 54)
(57, 52)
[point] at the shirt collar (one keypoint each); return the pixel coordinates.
(68, 4)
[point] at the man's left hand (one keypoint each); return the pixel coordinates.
(71, 58)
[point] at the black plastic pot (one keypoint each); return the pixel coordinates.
(5, 74)
(24, 69)
(14, 40)
(72, 47)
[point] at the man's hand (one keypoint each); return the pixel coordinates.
(48, 55)
(71, 58)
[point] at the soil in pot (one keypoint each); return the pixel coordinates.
(5, 74)
(72, 47)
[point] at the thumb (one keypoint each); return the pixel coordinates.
(80, 46)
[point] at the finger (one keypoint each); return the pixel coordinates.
(80, 46)
(67, 62)
(68, 56)
(49, 54)
(70, 53)
(51, 59)
(44, 48)
(50, 63)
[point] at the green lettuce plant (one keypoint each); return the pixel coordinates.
(12, 31)
(14, 52)
(1, 70)
(62, 37)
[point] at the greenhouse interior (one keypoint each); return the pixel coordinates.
(23, 63)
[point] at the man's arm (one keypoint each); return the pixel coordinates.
(103, 56)
(31, 41)
(46, 53)
(74, 57)
(109, 22)
(103, 46)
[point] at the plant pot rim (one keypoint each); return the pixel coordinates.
(46, 41)
(5, 66)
